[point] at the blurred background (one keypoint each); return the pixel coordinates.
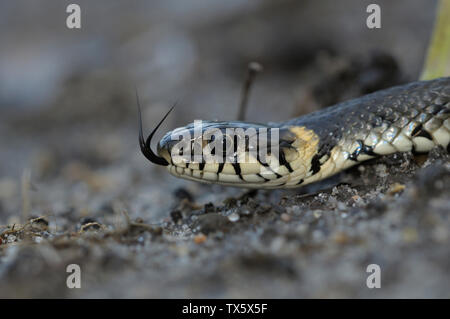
(68, 117)
(67, 106)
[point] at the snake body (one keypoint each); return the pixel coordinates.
(413, 117)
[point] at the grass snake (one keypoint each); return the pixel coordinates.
(413, 117)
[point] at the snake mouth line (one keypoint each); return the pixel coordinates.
(248, 180)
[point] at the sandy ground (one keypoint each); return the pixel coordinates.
(74, 188)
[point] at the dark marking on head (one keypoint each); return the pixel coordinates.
(283, 161)
(260, 161)
(235, 143)
(286, 144)
(300, 181)
(237, 169)
(324, 152)
(315, 164)
(213, 151)
(265, 179)
(276, 174)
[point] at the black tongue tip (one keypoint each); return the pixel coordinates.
(145, 145)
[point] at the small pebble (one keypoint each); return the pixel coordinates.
(39, 223)
(341, 238)
(199, 238)
(87, 220)
(317, 235)
(381, 170)
(441, 234)
(285, 217)
(182, 193)
(396, 188)
(293, 209)
(209, 208)
(11, 239)
(233, 217)
(302, 229)
(410, 235)
(94, 226)
(139, 220)
(176, 216)
(209, 223)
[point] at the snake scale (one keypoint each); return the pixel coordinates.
(413, 117)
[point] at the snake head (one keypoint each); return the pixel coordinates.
(231, 153)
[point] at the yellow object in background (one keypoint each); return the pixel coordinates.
(437, 63)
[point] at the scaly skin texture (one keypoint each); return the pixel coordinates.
(413, 117)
